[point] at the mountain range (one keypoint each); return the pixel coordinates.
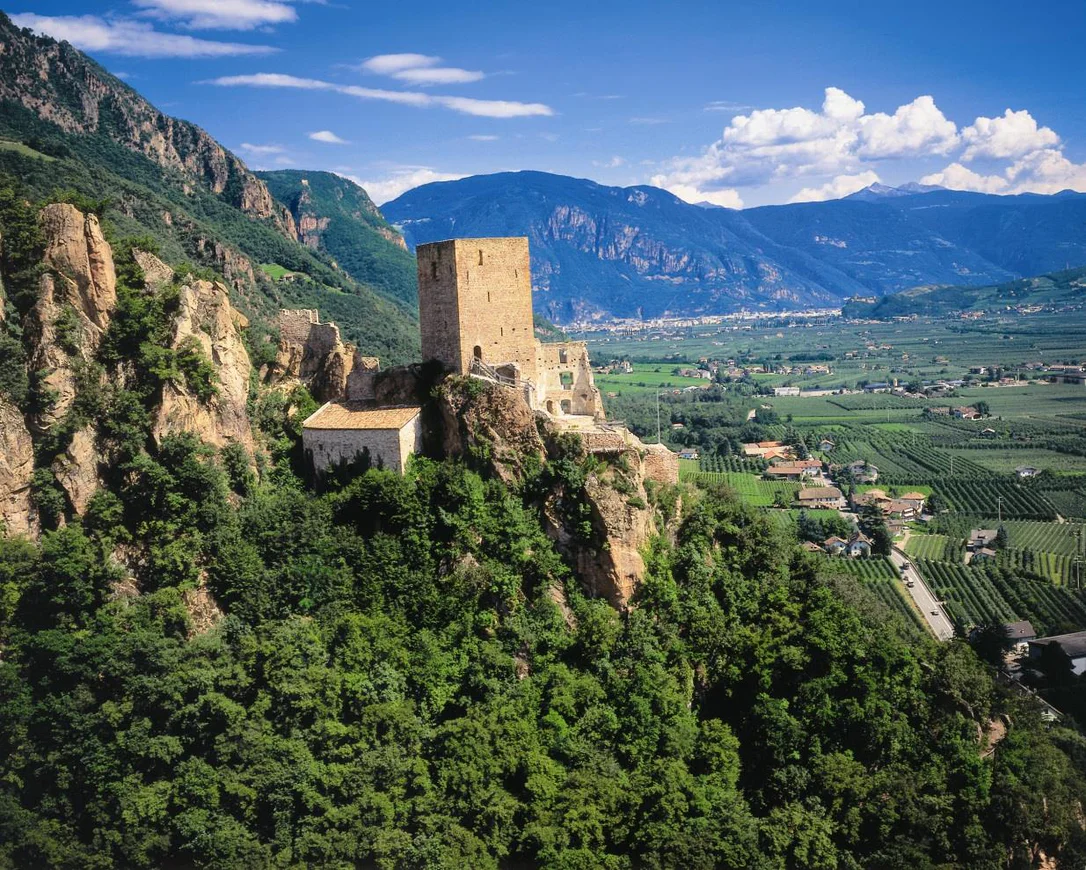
(601, 251)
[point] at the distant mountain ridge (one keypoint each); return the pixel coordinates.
(603, 251)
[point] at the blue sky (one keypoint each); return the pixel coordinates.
(740, 104)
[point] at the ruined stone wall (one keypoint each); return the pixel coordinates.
(475, 297)
(566, 385)
(388, 448)
(661, 464)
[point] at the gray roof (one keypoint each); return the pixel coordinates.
(1073, 645)
(1019, 630)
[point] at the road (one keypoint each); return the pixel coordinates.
(932, 611)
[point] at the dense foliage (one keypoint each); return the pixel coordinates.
(395, 684)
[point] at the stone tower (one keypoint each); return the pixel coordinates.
(475, 300)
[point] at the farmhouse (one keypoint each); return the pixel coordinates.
(983, 554)
(826, 445)
(786, 391)
(689, 454)
(835, 546)
(859, 545)
(964, 413)
(981, 538)
(341, 433)
(1020, 632)
(1024, 471)
(916, 499)
(821, 497)
(1073, 646)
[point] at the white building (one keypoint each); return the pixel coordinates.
(342, 433)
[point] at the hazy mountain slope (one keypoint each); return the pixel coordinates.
(335, 215)
(1065, 288)
(609, 250)
(612, 250)
(81, 130)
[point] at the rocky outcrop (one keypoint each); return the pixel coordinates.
(61, 85)
(76, 469)
(16, 470)
(313, 353)
(612, 565)
(206, 317)
(493, 425)
(75, 303)
(156, 274)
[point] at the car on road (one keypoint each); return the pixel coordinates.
(935, 613)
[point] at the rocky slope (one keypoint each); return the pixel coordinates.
(68, 125)
(600, 251)
(62, 85)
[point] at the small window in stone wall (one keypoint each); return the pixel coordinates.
(480, 256)
(567, 380)
(563, 357)
(433, 269)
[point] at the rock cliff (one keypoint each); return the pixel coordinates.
(314, 354)
(206, 317)
(76, 300)
(17, 513)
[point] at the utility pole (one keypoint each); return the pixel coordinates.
(658, 441)
(999, 499)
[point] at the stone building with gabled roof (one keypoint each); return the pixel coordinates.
(340, 433)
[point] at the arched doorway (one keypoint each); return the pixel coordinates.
(478, 353)
(550, 407)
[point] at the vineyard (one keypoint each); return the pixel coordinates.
(750, 489)
(973, 595)
(982, 498)
(881, 578)
(938, 547)
(1048, 537)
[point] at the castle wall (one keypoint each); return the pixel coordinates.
(475, 295)
(566, 385)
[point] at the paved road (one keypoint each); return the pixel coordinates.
(940, 624)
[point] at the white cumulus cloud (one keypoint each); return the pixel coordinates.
(918, 128)
(261, 150)
(958, 177)
(131, 38)
(387, 64)
(327, 136)
(726, 197)
(1014, 134)
(840, 186)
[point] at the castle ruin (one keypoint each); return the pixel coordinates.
(475, 317)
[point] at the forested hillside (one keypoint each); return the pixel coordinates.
(74, 130)
(336, 216)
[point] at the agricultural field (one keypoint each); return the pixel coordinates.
(647, 378)
(750, 488)
(965, 467)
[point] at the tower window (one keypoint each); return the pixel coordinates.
(480, 256)
(433, 269)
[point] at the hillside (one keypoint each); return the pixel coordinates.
(600, 251)
(336, 216)
(69, 127)
(1065, 288)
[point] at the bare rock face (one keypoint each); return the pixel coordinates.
(76, 301)
(76, 469)
(622, 525)
(488, 423)
(155, 273)
(205, 314)
(17, 514)
(313, 353)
